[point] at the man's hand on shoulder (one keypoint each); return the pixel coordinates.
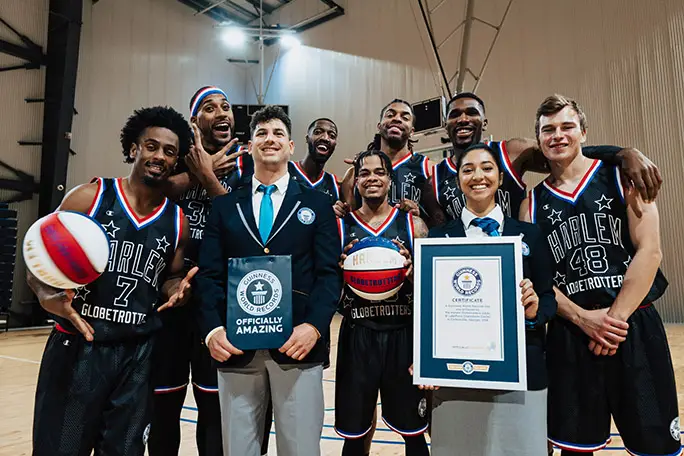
(640, 172)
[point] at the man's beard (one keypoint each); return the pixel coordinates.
(318, 158)
(395, 143)
(152, 182)
(210, 143)
(474, 139)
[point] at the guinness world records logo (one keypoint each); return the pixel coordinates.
(467, 281)
(259, 292)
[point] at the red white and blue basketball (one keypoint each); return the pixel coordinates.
(374, 268)
(66, 249)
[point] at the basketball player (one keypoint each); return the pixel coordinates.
(321, 141)
(93, 389)
(608, 353)
(410, 170)
(375, 344)
(209, 169)
(465, 124)
(180, 348)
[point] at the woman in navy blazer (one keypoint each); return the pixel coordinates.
(486, 422)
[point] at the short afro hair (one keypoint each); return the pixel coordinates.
(158, 116)
(469, 95)
(320, 119)
(267, 113)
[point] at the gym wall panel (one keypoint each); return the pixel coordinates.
(134, 53)
(21, 120)
(623, 60)
(138, 53)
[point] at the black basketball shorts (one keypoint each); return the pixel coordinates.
(178, 348)
(369, 361)
(93, 396)
(636, 386)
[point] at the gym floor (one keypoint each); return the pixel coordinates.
(20, 353)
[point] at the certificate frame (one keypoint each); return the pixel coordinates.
(505, 371)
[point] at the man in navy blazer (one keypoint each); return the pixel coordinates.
(274, 215)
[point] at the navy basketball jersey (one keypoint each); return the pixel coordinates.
(588, 235)
(410, 174)
(196, 203)
(509, 196)
(395, 311)
(326, 182)
(122, 302)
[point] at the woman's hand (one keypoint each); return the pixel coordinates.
(423, 387)
(530, 300)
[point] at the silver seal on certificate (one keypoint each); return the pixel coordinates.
(259, 292)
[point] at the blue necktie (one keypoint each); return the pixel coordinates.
(266, 211)
(488, 225)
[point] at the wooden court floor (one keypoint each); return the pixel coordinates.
(20, 353)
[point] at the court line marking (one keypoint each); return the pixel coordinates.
(400, 442)
(23, 360)
(397, 442)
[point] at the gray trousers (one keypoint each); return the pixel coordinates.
(297, 393)
(488, 423)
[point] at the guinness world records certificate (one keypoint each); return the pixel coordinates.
(469, 324)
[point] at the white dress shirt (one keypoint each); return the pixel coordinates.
(476, 231)
(276, 197)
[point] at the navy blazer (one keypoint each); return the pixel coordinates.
(315, 249)
(538, 267)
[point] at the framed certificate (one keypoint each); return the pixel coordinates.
(469, 325)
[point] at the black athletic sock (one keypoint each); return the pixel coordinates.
(267, 427)
(416, 445)
(570, 453)
(164, 439)
(208, 432)
(354, 447)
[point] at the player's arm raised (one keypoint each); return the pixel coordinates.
(638, 170)
(56, 301)
(177, 288)
(645, 234)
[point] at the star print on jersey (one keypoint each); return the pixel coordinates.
(396, 238)
(604, 202)
(81, 293)
(627, 261)
(259, 286)
(409, 178)
(555, 216)
(451, 193)
(162, 244)
(559, 279)
(348, 301)
(111, 229)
